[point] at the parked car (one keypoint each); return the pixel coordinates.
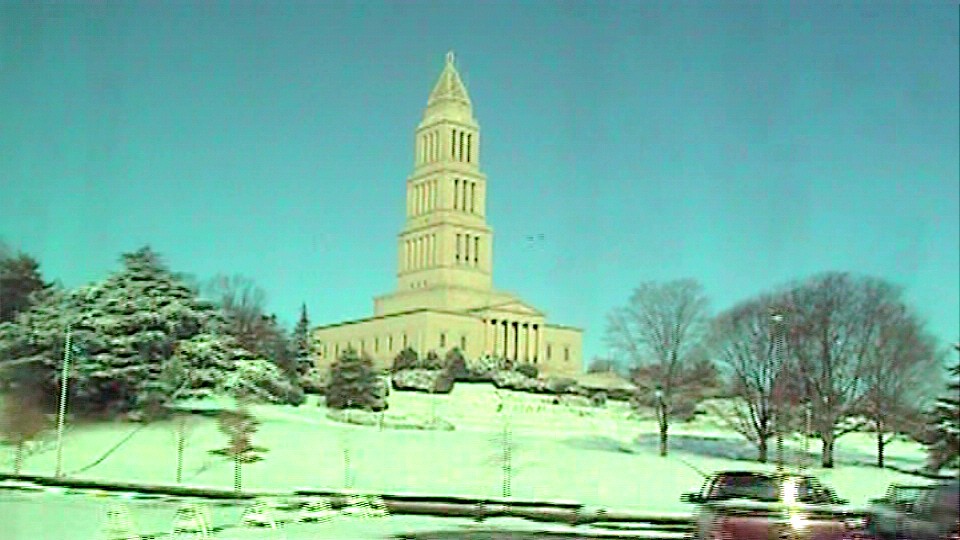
(935, 515)
(886, 515)
(747, 505)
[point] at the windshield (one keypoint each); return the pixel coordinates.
(760, 488)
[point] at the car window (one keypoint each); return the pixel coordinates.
(816, 493)
(762, 488)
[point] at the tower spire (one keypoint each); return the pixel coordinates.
(449, 95)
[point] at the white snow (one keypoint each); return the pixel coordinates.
(560, 454)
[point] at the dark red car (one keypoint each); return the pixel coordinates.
(745, 505)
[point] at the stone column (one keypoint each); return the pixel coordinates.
(486, 327)
(537, 341)
(506, 339)
(526, 342)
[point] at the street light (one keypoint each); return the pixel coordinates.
(61, 413)
(776, 319)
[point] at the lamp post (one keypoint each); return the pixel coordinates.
(776, 319)
(61, 413)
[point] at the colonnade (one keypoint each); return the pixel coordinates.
(514, 340)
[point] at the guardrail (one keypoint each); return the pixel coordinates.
(566, 512)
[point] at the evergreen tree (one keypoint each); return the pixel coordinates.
(353, 382)
(19, 278)
(130, 326)
(301, 342)
(31, 347)
(944, 450)
(124, 330)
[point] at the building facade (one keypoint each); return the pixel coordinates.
(445, 296)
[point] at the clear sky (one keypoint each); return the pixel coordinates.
(741, 144)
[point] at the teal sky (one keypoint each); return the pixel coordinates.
(741, 144)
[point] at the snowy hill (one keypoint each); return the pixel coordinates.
(597, 456)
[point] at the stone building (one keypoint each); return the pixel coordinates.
(445, 296)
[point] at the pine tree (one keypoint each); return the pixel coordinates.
(353, 382)
(301, 342)
(944, 450)
(19, 278)
(31, 347)
(129, 327)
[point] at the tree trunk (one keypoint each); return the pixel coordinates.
(762, 450)
(180, 445)
(236, 475)
(18, 458)
(880, 444)
(827, 455)
(663, 437)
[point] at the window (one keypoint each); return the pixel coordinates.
(456, 193)
(469, 138)
(404, 340)
(460, 157)
(458, 246)
(566, 354)
(376, 344)
(476, 250)
(463, 344)
(390, 343)
(548, 351)
(453, 143)
(473, 196)
(443, 340)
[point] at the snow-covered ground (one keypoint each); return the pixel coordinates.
(594, 456)
(52, 516)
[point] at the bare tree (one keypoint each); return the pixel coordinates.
(896, 375)
(662, 326)
(832, 320)
(243, 302)
(239, 426)
(745, 340)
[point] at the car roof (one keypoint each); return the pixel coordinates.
(764, 474)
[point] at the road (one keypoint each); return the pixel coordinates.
(57, 514)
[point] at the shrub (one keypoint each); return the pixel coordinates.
(432, 361)
(456, 365)
(314, 381)
(560, 385)
(482, 368)
(405, 359)
(528, 370)
(444, 383)
(598, 399)
(683, 409)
